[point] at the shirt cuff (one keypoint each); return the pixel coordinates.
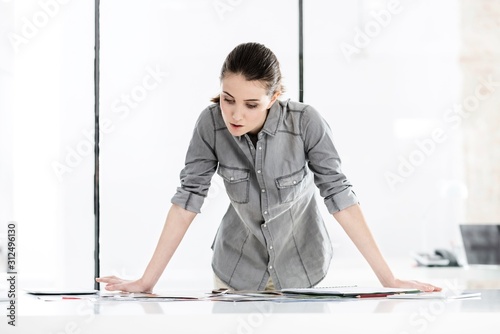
(187, 200)
(342, 200)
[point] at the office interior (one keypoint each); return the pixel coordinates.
(410, 89)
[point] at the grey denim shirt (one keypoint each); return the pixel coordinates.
(273, 226)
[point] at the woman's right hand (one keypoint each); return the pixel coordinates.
(114, 283)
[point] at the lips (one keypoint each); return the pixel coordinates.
(236, 125)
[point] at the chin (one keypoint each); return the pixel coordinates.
(238, 133)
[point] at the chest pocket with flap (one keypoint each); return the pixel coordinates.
(290, 186)
(236, 181)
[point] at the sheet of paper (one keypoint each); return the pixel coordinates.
(350, 291)
(159, 296)
(54, 298)
(274, 296)
(50, 292)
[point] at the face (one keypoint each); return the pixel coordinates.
(244, 104)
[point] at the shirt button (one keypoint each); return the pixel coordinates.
(270, 247)
(270, 267)
(258, 171)
(263, 190)
(264, 225)
(231, 178)
(260, 147)
(265, 212)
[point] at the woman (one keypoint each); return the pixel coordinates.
(270, 154)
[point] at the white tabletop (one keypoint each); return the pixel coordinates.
(374, 315)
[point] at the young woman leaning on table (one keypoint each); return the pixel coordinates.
(270, 154)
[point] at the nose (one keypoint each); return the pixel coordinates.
(237, 114)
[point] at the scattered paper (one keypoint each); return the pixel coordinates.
(353, 291)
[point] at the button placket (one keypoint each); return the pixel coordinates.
(264, 203)
(246, 146)
(259, 162)
(269, 241)
(252, 148)
(260, 175)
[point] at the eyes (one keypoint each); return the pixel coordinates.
(248, 105)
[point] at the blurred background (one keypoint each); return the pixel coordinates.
(411, 90)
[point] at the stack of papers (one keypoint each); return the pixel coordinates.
(309, 294)
(352, 292)
(245, 296)
(285, 295)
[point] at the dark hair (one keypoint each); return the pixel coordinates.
(255, 62)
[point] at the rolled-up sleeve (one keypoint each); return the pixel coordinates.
(200, 165)
(324, 162)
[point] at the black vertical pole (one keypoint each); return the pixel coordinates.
(96, 147)
(301, 53)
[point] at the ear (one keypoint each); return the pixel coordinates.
(273, 99)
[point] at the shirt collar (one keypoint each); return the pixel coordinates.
(273, 118)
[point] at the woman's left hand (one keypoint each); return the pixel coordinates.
(426, 287)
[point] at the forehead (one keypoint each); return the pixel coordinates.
(239, 87)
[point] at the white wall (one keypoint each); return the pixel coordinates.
(46, 103)
(385, 74)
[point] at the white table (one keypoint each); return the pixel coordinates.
(376, 315)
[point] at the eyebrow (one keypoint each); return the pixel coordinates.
(243, 100)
